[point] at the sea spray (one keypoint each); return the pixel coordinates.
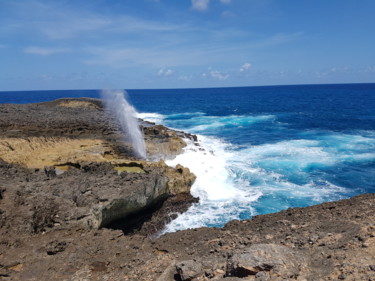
(117, 104)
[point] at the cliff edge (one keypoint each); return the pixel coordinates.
(75, 204)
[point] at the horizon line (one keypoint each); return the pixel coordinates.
(192, 88)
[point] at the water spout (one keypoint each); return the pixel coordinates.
(115, 101)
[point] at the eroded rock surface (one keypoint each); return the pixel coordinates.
(75, 168)
(49, 214)
(331, 241)
(71, 130)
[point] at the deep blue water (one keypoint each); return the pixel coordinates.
(265, 148)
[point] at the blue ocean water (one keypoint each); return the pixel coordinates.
(261, 149)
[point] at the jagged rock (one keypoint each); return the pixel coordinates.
(44, 218)
(89, 174)
(55, 247)
(89, 195)
(275, 259)
(188, 270)
(262, 276)
(180, 179)
(162, 142)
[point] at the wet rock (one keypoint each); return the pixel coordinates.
(163, 142)
(180, 179)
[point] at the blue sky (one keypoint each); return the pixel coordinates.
(132, 44)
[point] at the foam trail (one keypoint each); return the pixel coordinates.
(220, 199)
(115, 101)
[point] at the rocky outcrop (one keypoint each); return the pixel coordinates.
(161, 140)
(266, 260)
(72, 156)
(180, 179)
(65, 218)
(86, 195)
(75, 124)
(331, 241)
(38, 152)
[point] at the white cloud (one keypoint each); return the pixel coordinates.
(165, 72)
(57, 21)
(168, 72)
(216, 75)
(245, 66)
(42, 51)
(185, 78)
(200, 5)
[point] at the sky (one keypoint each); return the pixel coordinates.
(146, 44)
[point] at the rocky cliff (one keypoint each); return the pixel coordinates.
(74, 167)
(76, 205)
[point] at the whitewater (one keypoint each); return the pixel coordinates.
(257, 163)
(235, 182)
(260, 149)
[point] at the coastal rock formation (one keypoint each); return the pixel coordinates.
(76, 205)
(55, 132)
(331, 241)
(74, 158)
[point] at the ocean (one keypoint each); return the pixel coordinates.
(261, 149)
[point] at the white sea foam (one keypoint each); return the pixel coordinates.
(230, 181)
(208, 163)
(221, 199)
(152, 117)
(208, 123)
(293, 154)
(239, 182)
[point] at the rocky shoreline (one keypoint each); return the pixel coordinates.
(75, 204)
(71, 155)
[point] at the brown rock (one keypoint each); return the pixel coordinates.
(188, 270)
(276, 259)
(180, 179)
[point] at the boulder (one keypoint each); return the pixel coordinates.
(261, 259)
(188, 270)
(180, 179)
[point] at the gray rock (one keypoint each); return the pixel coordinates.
(261, 258)
(262, 276)
(188, 270)
(230, 279)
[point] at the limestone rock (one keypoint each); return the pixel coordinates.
(161, 141)
(180, 179)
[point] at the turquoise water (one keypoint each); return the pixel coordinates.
(261, 149)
